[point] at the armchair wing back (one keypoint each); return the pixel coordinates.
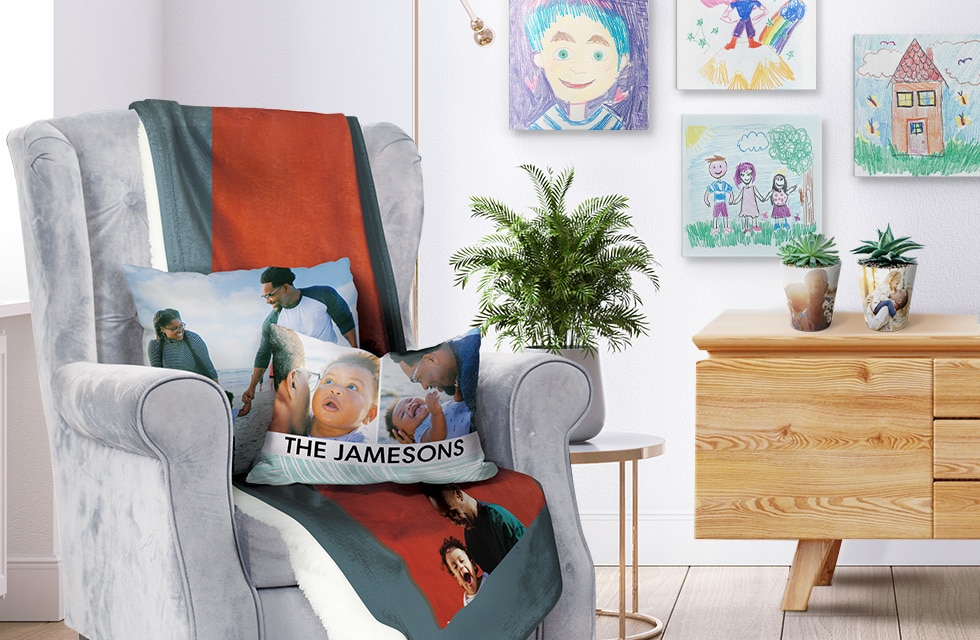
(145, 490)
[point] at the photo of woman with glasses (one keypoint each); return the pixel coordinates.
(177, 348)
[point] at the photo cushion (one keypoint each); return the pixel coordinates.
(344, 416)
(224, 313)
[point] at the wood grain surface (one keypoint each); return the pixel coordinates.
(738, 333)
(956, 449)
(957, 506)
(957, 383)
(811, 447)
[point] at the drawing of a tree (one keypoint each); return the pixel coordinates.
(793, 148)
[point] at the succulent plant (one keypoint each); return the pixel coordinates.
(809, 250)
(887, 250)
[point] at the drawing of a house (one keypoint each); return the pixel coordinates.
(917, 104)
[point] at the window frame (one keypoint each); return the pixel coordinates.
(927, 92)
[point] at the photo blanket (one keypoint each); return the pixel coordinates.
(249, 188)
(386, 540)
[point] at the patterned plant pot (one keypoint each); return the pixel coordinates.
(886, 295)
(810, 295)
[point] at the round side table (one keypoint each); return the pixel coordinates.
(621, 447)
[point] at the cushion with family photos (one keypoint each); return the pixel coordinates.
(345, 416)
(222, 319)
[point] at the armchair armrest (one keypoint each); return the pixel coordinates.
(528, 404)
(138, 409)
(144, 472)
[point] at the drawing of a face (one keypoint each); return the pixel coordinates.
(746, 176)
(579, 59)
(718, 168)
(779, 180)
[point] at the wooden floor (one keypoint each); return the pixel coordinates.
(864, 603)
(742, 603)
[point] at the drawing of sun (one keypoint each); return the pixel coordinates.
(696, 138)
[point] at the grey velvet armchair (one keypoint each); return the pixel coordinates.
(152, 544)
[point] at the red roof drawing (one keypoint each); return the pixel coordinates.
(917, 66)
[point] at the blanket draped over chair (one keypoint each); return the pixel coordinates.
(252, 188)
(248, 188)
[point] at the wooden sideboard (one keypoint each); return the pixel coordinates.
(842, 433)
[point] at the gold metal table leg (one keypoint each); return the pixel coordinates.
(623, 614)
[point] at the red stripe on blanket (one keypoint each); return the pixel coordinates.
(403, 520)
(285, 193)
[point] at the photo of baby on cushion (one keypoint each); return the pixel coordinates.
(335, 393)
(337, 402)
(342, 415)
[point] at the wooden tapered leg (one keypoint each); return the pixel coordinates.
(810, 563)
(829, 566)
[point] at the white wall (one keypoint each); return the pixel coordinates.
(356, 58)
(26, 38)
(28, 95)
(32, 539)
(108, 53)
(468, 150)
(330, 57)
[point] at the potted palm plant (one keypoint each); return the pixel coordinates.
(886, 279)
(559, 279)
(811, 270)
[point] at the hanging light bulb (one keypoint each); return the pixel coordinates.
(482, 34)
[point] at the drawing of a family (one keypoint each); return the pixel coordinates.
(719, 194)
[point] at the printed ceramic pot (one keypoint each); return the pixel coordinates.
(886, 295)
(810, 295)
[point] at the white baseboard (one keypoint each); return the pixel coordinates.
(33, 590)
(668, 539)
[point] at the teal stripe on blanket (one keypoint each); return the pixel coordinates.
(384, 276)
(180, 144)
(511, 604)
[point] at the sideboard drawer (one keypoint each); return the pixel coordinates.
(956, 449)
(956, 387)
(822, 448)
(956, 508)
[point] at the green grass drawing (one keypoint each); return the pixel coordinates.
(959, 157)
(699, 235)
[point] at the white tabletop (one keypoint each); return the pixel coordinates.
(9, 308)
(616, 446)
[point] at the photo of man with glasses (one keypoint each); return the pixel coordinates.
(318, 311)
(452, 367)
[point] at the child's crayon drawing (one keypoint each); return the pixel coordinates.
(749, 182)
(578, 64)
(746, 44)
(914, 110)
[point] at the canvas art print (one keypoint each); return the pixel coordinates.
(914, 105)
(750, 182)
(746, 44)
(578, 64)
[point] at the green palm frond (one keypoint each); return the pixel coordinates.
(554, 278)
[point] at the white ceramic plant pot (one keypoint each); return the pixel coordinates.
(810, 296)
(886, 295)
(594, 420)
